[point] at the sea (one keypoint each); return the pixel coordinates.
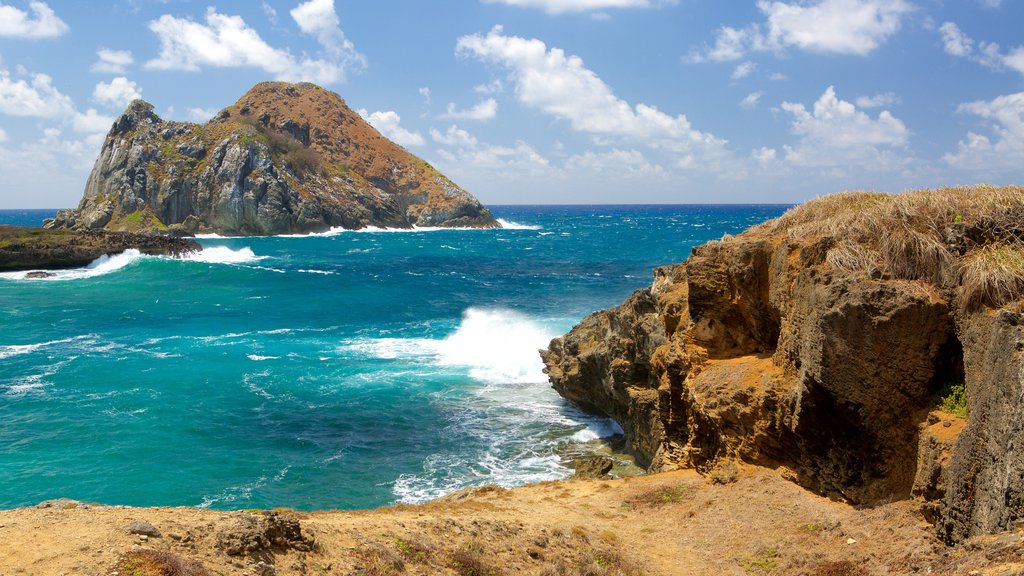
(339, 370)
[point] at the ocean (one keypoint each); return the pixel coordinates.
(332, 371)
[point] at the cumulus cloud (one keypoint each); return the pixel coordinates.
(319, 19)
(35, 96)
(482, 112)
(989, 54)
(561, 86)
(454, 136)
(389, 123)
(3, 135)
(1004, 150)
(227, 41)
(562, 6)
(855, 27)
(91, 122)
(834, 133)
(42, 23)
(112, 61)
(117, 93)
(620, 163)
(201, 114)
(500, 160)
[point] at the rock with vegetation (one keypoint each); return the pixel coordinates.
(34, 248)
(837, 342)
(285, 158)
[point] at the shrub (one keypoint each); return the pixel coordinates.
(953, 399)
(157, 563)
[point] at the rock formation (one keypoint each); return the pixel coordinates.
(284, 158)
(820, 342)
(33, 248)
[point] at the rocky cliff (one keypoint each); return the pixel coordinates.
(822, 343)
(284, 158)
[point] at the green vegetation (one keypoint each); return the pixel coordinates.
(764, 562)
(953, 399)
(970, 239)
(144, 562)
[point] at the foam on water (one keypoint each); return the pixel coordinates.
(103, 265)
(510, 225)
(497, 346)
(223, 255)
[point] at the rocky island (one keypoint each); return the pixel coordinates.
(285, 158)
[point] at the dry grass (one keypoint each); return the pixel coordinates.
(157, 563)
(970, 238)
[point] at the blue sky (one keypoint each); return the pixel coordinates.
(550, 101)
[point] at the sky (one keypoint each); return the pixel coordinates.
(550, 101)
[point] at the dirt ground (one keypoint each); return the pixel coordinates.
(752, 522)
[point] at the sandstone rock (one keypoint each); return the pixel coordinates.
(267, 531)
(285, 158)
(142, 528)
(591, 467)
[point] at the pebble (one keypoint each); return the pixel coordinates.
(851, 541)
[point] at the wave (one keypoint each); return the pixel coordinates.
(510, 225)
(495, 345)
(223, 255)
(19, 349)
(103, 265)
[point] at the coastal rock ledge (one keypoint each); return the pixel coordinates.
(285, 158)
(870, 346)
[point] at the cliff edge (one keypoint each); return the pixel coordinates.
(825, 343)
(285, 158)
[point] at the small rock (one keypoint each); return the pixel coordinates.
(725, 473)
(142, 528)
(946, 423)
(264, 569)
(851, 541)
(174, 535)
(40, 274)
(143, 538)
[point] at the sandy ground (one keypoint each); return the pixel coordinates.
(675, 523)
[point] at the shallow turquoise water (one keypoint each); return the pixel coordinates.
(347, 370)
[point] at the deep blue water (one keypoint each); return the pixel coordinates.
(346, 370)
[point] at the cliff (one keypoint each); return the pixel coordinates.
(35, 248)
(822, 343)
(285, 158)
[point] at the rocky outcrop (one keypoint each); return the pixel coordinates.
(34, 248)
(819, 344)
(285, 158)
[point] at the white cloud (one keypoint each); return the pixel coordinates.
(743, 70)
(562, 6)
(227, 41)
(833, 26)
(764, 155)
(270, 11)
(482, 112)
(561, 86)
(454, 136)
(777, 77)
(318, 18)
(493, 87)
(36, 96)
(91, 122)
(112, 61)
(43, 23)
(3, 135)
(500, 160)
(991, 3)
(751, 99)
(955, 41)
(835, 133)
(1005, 149)
(389, 124)
(117, 93)
(877, 101)
(53, 167)
(620, 163)
(989, 54)
(201, 114)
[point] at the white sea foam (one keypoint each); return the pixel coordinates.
(258, 358)
(19, 349)
(497, 346)
(224, 255)
(103, 265)
(314, 271)
(510, 225)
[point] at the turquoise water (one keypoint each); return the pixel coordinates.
(346, 370)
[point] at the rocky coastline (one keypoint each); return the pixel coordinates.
(23, 248)
(825, 344)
